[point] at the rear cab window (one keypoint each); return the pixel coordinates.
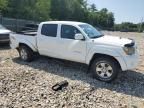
(49, 30)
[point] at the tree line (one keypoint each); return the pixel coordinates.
(42, 10)
(73, 10)
(129, 27)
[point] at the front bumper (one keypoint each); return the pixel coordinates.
(4, 40)
(128, 62)
(131, 61)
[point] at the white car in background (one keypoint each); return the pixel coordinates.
(4, 34)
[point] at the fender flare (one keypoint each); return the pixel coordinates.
(101, 50)
(27, 43)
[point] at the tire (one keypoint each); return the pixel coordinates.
(26, 54)
(105, 69)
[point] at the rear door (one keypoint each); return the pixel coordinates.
(47, 40)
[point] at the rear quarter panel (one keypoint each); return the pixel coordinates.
(16, 39)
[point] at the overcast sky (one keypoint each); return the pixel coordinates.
(124, 10)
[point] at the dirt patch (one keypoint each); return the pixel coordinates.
(27, 85)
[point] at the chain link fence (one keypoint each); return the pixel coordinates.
(14, 24)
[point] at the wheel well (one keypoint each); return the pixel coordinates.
(97, 55)
(22, 44)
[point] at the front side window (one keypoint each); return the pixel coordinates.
(68, 31)
(49, 30)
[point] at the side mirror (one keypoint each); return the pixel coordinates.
(79, 36)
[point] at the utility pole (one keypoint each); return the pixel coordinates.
(140, 26)
(0, 18)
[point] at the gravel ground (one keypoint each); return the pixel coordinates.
(28, 85)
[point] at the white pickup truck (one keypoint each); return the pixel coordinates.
(79, 42)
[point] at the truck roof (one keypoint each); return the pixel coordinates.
(63, 22)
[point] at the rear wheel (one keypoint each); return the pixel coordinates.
(26, 54)
(105, 69)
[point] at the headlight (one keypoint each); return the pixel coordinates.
(129, 50)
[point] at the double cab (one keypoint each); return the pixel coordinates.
(105, 55)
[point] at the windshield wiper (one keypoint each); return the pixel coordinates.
(97, 36)
(100, 35)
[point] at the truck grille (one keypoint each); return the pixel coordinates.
(4, 36)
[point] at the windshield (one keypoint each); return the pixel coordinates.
(2, 27)
(90, 31)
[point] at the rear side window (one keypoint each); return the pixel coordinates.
(68, 31)
(49, 30)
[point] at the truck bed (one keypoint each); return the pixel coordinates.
(28, 38)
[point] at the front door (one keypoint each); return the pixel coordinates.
(72, 49)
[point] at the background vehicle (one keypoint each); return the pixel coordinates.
(79, 42)
(4, 34)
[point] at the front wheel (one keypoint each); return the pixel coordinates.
(105, 69)
(26, 54)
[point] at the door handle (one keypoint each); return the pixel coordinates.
(78, 52)
(61, 42)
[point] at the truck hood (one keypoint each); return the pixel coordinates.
(112, 40)
(4, 31)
